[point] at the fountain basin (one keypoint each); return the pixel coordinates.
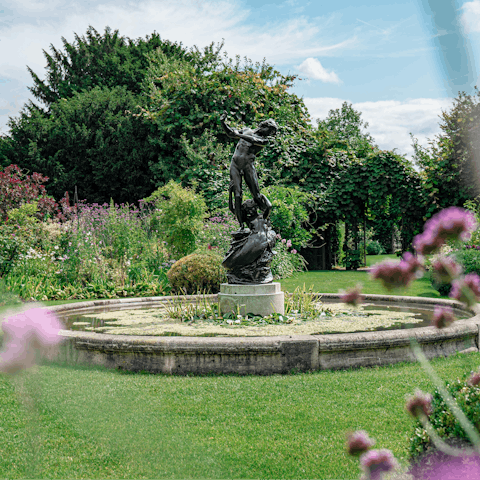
(261, 355)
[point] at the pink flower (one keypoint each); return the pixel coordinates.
(446, 269)
(289, 243)
(352, 296)
(359, 442)
(283, 240)
(26, 334)
(375, 462)
(452, 223)
(397, 274)
(474, 379)
(294, 251)
(419, 403)
(442, 317)
(466, 290)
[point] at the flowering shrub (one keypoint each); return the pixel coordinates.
(216, 233)
(178, 217)
(287, 260)
(17, 188)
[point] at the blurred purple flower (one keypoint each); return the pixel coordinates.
(26, 334)
(445, 269)
(359, 442)
(452, 223)
(294, 251)
(397, 274)
(283, 240)
(352, 296)
(375, 462)
(419, 403)
(474, 379)
(442, 317)
(466, 290)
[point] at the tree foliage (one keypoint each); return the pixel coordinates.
(450, 164)
(346, 125)
(91, 140)
(187, 97)
(95, 60)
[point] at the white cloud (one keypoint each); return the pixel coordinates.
(390, 121)
(314, 70)
(470, 17)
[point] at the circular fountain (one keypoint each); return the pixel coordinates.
(262, 355)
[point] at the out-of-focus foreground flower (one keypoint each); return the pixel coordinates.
(419, 404)
(466, 290)
(452, 223)
(442, 317)
(397, 274)
(352, 296)
(359, 442)
(377, 462)
(446, 269)
(26, 335)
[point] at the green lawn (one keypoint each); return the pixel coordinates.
(94, 423)
(332, 281)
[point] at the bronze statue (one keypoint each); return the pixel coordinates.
(242, 165)
(251, 249)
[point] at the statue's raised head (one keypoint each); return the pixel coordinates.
(268, 126)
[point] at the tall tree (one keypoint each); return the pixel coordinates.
(107, 60)
(450, 165)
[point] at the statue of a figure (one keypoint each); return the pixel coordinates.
(251, 250)
(242, 165)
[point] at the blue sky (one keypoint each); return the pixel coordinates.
(399, 63)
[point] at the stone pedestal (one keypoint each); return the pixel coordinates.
(261, 299)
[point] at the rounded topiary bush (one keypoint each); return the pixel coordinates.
(197, 273)
(444, 422)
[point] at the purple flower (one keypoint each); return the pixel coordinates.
(352, 296)
(474, 379)
(466, 290)
(442, 317)
(446, 269)
(289, 243)
(375, 462)
(420, 403)
(452, 223)
(283, 240)
(397, 274)
(359, 442)
(26, 334)
(294, 251)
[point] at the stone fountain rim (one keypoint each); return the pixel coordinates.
(262, 355)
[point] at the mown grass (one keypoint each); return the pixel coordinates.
(95, 423)
(333, 281)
